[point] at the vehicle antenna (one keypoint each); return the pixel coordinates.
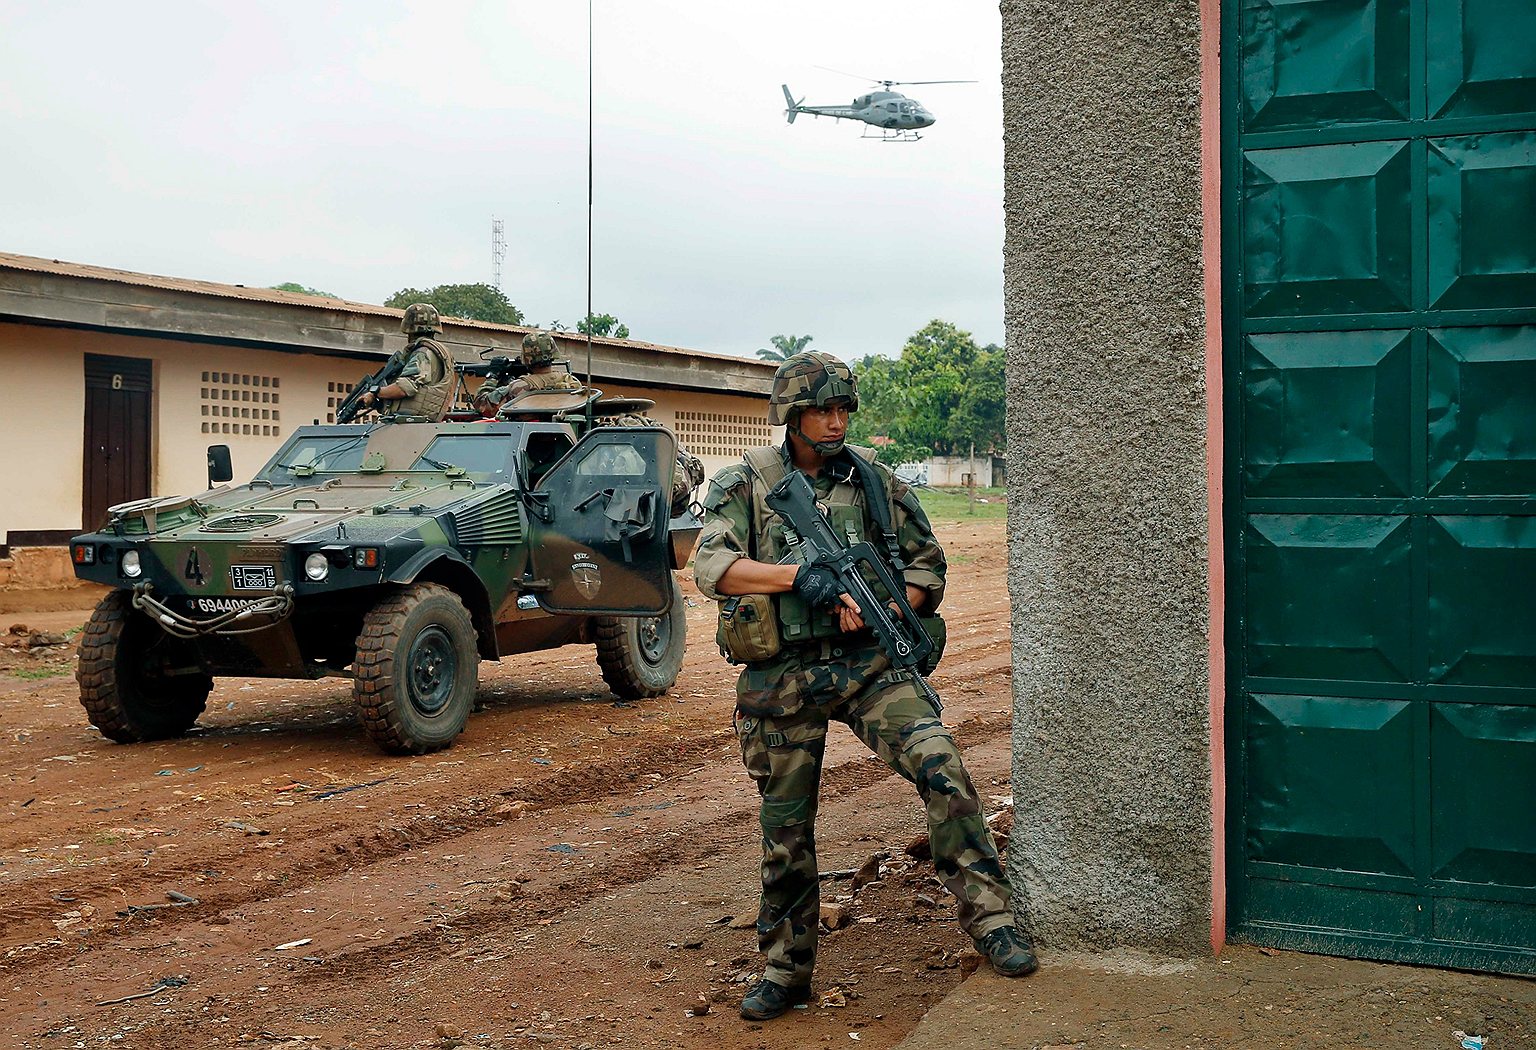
(589, 215)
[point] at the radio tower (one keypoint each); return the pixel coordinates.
(498, 249)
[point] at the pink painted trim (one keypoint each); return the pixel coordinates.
(1210, 254)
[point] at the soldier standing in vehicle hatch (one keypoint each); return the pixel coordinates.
(815, 661)
(540, 355)
(422, 392)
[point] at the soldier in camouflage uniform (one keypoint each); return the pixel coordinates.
(423, 391)
(540, 355)
(831, 667)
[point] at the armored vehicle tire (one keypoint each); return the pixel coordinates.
(417, 669)
(641, 655)
(137, 682)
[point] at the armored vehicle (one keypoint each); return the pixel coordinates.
(399, 555)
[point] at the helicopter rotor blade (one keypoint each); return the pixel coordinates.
(845, 73)
(892, 83)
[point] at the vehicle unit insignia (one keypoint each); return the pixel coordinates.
(252, 577)
(588, 577)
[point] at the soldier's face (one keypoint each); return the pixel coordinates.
(824, 424)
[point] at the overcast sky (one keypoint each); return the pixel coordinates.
(363, 147)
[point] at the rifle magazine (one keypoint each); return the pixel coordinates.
(939, 634)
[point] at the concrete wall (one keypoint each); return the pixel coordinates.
(42, 412)
(952, 471)
(42, 405)
(1107, 440)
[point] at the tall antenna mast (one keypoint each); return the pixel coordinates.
(588, 325)
(498, 249)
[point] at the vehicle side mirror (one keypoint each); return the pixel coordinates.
(219, 467)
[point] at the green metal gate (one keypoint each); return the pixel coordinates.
(1379, 173)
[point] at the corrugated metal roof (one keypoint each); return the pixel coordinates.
(11, 261)
(60, 267)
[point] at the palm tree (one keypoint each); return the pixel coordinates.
(784, 347)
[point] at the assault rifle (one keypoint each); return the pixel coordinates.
(348, 409)
(497, 371)
(901, 634)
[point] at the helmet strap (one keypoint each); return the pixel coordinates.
(824, 449)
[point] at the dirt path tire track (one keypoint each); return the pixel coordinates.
(430, 831)
(446, 821)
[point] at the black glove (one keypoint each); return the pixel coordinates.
(818, 586)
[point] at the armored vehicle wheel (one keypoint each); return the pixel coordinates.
(640, 655)
(417, 669)
(137, 682)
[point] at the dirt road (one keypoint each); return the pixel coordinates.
(574, 872)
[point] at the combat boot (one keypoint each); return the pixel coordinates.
(766, 1000)
(1010, 952)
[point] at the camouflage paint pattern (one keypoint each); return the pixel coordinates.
(420, 318)
(810, 378)
(687, 472)
(205, 556)
(539, 349)
(784, 752)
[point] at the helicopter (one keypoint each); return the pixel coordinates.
(897, 116)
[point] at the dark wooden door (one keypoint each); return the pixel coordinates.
(117, 400)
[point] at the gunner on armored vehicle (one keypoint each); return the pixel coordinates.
(547, 372)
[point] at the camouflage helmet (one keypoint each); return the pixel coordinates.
(808, 379)
(419, 318)
(538, 349)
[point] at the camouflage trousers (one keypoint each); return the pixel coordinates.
(781, 721)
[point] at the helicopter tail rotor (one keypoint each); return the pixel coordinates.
(789, 101)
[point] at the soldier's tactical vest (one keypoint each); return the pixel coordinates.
(798, 623)
(433, 395)
(552, 380)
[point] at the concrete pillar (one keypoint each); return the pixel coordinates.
(1107, 474)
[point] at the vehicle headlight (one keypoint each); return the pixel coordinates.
(317, 566)
(131, 566)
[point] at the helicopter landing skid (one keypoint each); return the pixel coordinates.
(887, 135)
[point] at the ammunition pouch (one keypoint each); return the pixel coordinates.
(798, 621)
(748, 630)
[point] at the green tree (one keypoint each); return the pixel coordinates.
(302, 289)
(478, 302)
(982, 414)
(603, 326)
(894, 451)
(943, 393)
(784, 347)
